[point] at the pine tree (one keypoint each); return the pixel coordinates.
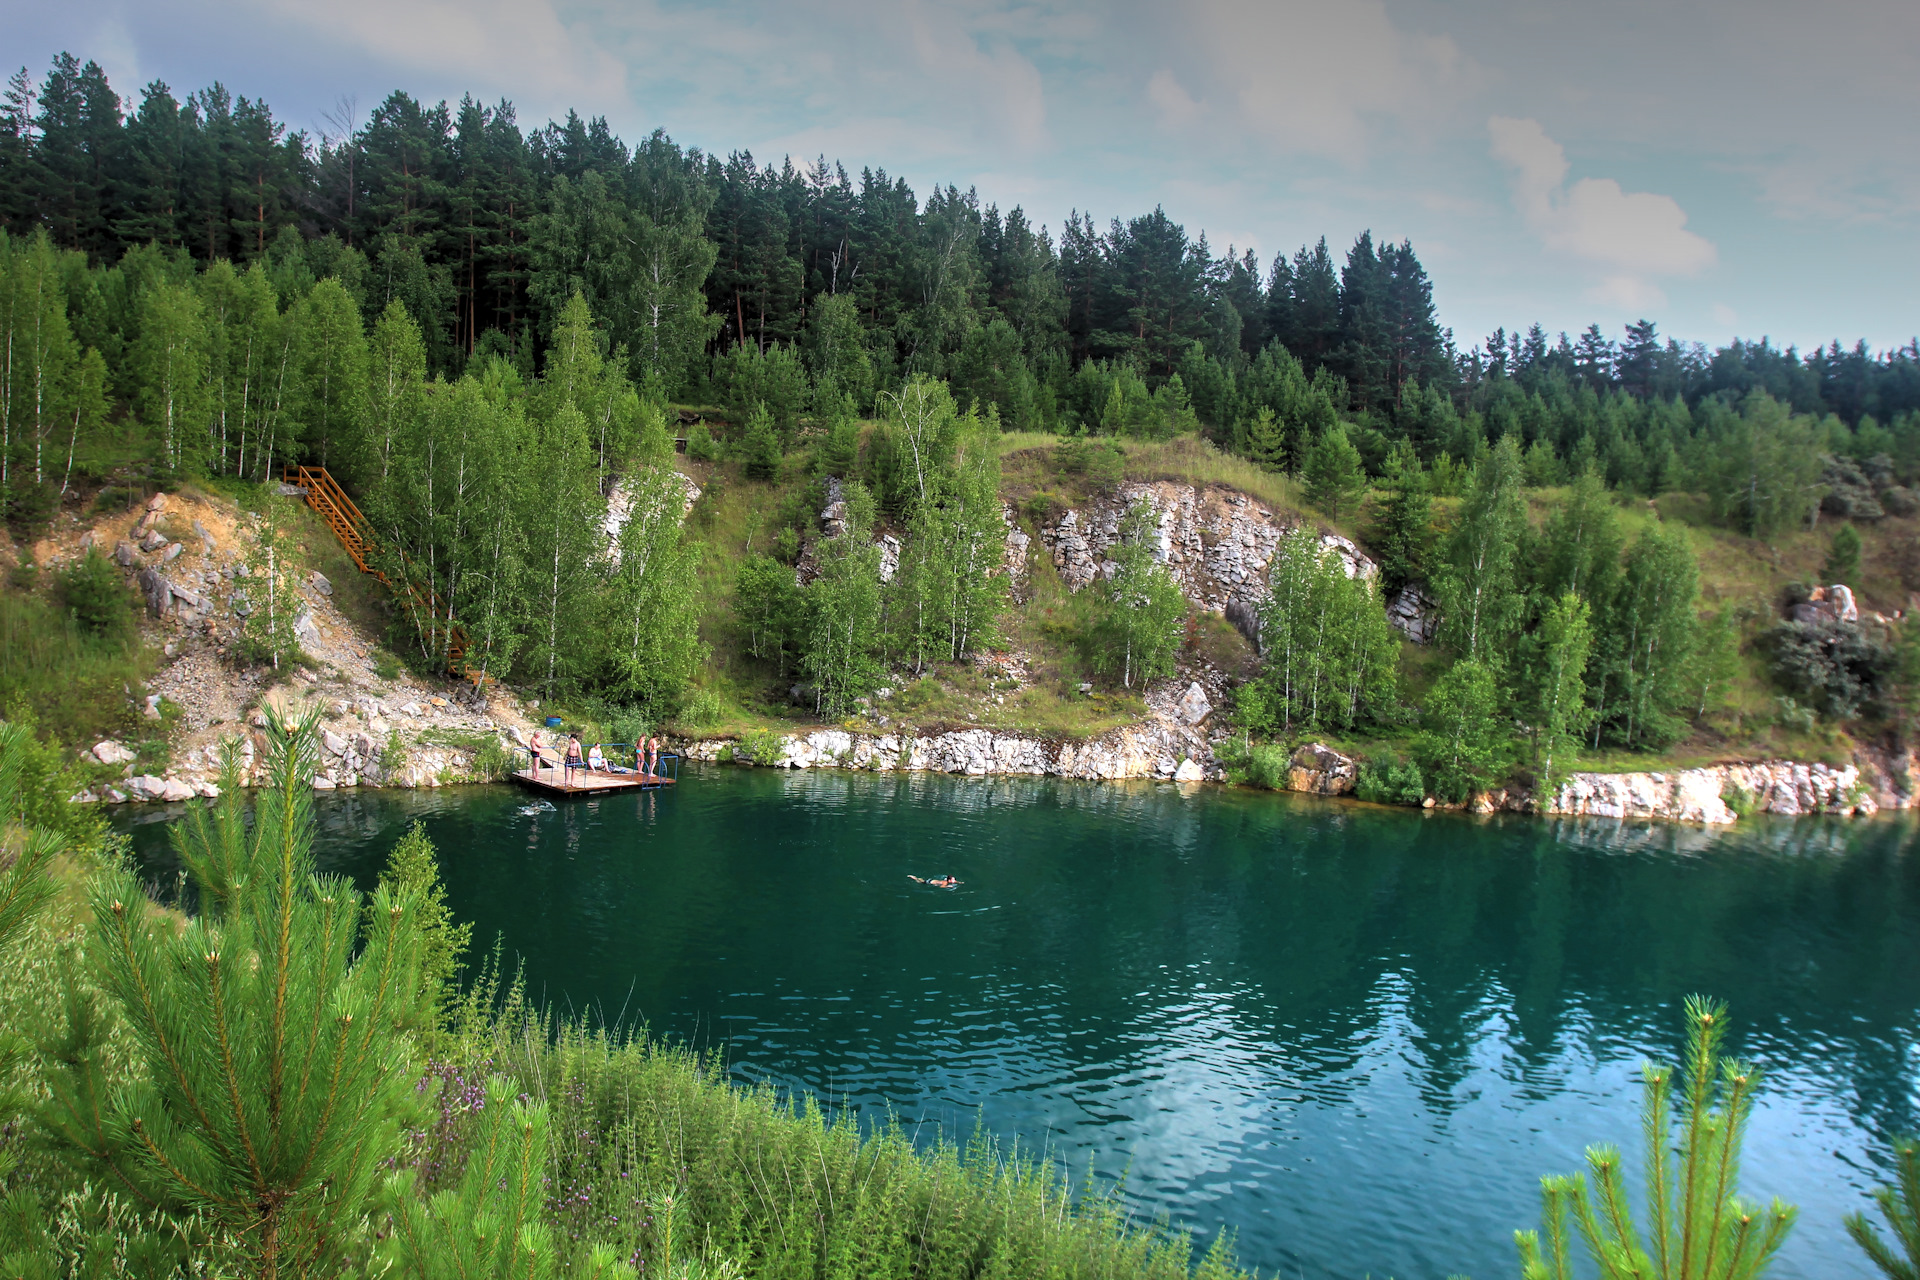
(1697, 1227)
(1843, 557)
(1403, 535)
(413, 868)
(1334, 477)
(760, 445)
(274, 1078)
(1900, 1205)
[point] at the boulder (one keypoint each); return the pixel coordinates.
(153, 541)
(173, 553)
(323, 783)
(1190, 771)
(206, 790)
(174, 791)
(320, 583)
(124, 553)
(1320, 770)
(333, 742)
(1193, 706)
(305, 630)
(111, 752)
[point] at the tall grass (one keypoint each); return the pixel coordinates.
(657, 1153)
(79, 687)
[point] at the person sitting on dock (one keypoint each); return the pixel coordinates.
(596, 759)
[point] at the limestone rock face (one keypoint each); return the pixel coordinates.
(1216, 542)
(1785, 787)
(1414, 615)
(1320, 770)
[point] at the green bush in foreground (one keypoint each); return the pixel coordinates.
(1697, 1226)
(1900, 1205)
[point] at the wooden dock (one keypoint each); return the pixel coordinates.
(587, 782)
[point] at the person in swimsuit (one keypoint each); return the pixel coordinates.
(939, 882)
(541, 758)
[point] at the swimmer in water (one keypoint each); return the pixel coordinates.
(940, 882)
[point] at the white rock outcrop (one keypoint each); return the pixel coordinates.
(1216, 542)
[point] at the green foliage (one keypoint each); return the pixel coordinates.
(1696, 1226)
(96, 595)
(946, 594)
(1761, 470)
(1100, 461)
(760, 446)
(273, 1077)
(1334, 477)
(1403, 533)
(1137, 612)
(490, 1222)
(26, 847)
(1390, 782)
(1843, 557)
(655, 1154)
(413, 869)
(763, 747)
(1652, 625)
(841, 654)
(1555, 699)
(1478, 581)
(1330, 657)
(1900, 1205)
(1464, 745)
(1840, 669)
(770, 608)
(272, 600)
(701, 446)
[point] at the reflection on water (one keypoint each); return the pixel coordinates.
(1355, 1036)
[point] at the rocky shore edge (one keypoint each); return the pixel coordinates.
(1161, 749)
(1712, 796)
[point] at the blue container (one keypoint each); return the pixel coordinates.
(553, 722)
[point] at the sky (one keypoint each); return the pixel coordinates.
(1722, 167)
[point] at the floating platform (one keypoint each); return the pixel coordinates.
(586, 782)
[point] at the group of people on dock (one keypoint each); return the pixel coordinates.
(547, 755)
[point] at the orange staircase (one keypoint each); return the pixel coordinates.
(434, 622)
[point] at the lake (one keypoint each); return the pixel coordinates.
(1354, 1036)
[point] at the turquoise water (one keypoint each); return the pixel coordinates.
(1355, 1036)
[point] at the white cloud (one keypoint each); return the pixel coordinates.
(1637, 234)
(522, 47)
(1313, 77)
(1175, 105)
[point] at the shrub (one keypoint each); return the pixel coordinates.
(1390, 782)
(96, 596)
(763, 747)
(1838, 667)
(701, 446)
